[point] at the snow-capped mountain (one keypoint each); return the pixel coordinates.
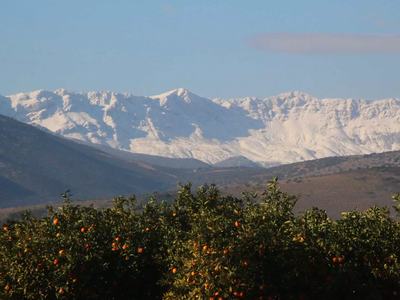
(286, 128)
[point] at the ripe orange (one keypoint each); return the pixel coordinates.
(55, 222)
(7, 287)
(118, 239)
(61, 291)
(193, 273)
(87, 246)
(55, 261)
(246, 263)
(205, 248)
(340, 259)
(174, 270)
(225, 251)
(61, 252)
(124, 247)
(237, 224)
(58, 234)
(83, 229)
(335, 260)
(140, 250)
(6, 229)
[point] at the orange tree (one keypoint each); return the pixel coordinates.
(203, 246)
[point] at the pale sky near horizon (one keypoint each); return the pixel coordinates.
(225, 49)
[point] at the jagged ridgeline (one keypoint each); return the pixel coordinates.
(283, 129)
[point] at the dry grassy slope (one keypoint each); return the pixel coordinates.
(337, 193)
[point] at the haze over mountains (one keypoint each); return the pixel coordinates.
(282, 129)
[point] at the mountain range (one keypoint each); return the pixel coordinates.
(287, 128)
(37, 166)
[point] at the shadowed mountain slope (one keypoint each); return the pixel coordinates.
(35, 167)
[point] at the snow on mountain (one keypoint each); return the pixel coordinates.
(286, 128)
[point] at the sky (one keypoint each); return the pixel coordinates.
(217, 49)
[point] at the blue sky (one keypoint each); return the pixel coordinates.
(347, 49)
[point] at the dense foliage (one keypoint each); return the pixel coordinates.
(204, 246)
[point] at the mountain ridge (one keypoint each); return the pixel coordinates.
(286, 128)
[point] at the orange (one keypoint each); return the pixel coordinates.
(55, 222)
(335, 259)
(225, 251)
(61, 252)
(124, 247)
(83, 229)
(58, 234)
(237, 224)
(6, 229)
(174, 270)
(140, 250)
(55, 261)
(61, 291)
(205, 248)
(7, 287)
(87, 246)
(340, 259)
(118, 239)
